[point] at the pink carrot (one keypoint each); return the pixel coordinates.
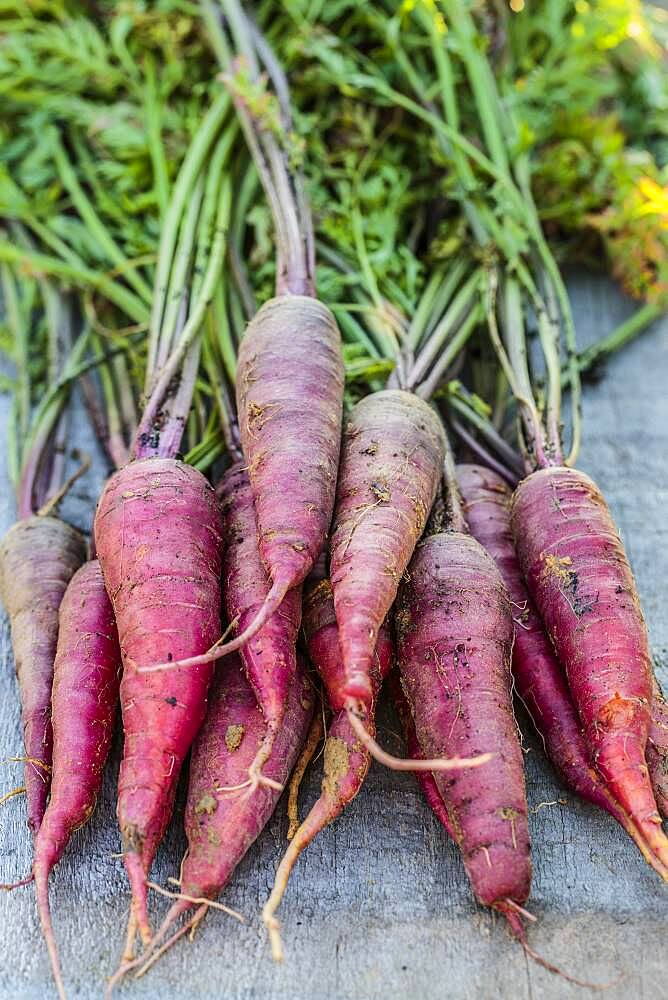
(580, 580)
(85, 696)
(270, 657)
(513, 912)
(158, 537)
(38, 557)
(221, 826)
(346, 759)
(454, 643)
(392, 457)
(289, 400)
(539, 677)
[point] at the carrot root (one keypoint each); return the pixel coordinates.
(513, 914)
(314, 736)
(10, 795)
(148, 959)
(408, 763)
(139, 905)
(42, 894)
(318, 818)
(8, 886)
(221, 648)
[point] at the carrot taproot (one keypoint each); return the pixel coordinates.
(158, 539)
(158, 526)
(85, 696)
(392, 456)
(289, 400)
(579, 577)
(221, 826)
(512, 911)
(38, 557)
(270, 656)
(346, 759)
(454, 640)
(539, 677)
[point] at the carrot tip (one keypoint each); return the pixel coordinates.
(274, 928)
(513, 913)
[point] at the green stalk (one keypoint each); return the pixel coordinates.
(432, 348)
(451, 352)
(196, 315)
(93, 223)
(219, 319)
(81, 276)
(481, 81)
(433, 301)
(282, 182)
(618, 338)
(182, 191)
(179, 277)
(20, 333)
(457, 401)
(44, 421)
(156, 147)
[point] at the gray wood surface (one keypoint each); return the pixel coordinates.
(380, 904)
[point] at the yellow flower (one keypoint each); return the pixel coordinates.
(656, 198)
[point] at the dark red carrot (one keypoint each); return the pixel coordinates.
(85, 695)
(392, 456)
(270, 657)
(38, 557)
(158, 536)
(657, 749)
(454, 642)
(346, 760)
(158, 526)
(221, 826)
(514, 914)
(289, 400)
(539, 677)
(579, 577)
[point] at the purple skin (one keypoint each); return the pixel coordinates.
(454, 642)
(38, 557)
(346, 760)
(85, 697)
(270, 657)
(578, 575)
(392, 455)
(540, 679)
(221, 825)
(290, 405)
(158, 536)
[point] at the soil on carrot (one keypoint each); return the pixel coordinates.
(233, 737)
(336, 766)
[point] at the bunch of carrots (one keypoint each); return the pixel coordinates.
(320, 537)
